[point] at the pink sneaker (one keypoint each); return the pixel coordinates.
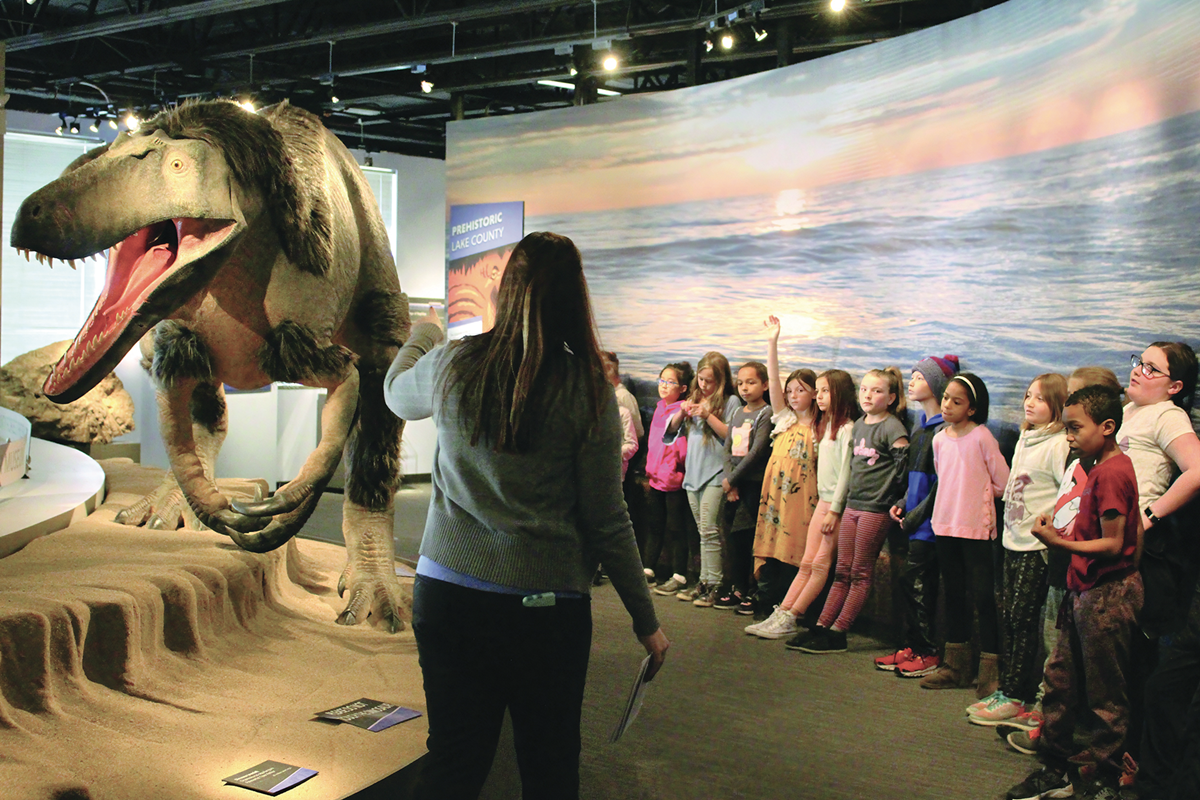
(1000, 710)
(918, 666)
(890, 662)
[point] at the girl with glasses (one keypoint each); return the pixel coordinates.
(667, 512)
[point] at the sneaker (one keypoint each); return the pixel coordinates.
(669, 587)
(1043, 783)
(975, 708)
(889, 662)
(747, 608)
(728, 600)
(1100, 788)
(706, 598)
(918, 666)
(1029, 720)
(689, 593)
(780, 625)
(803, 638)
(1026, 742)
(649, 575)
(999, 710)
(830, 642)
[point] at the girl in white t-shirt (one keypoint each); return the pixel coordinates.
(1156, 432)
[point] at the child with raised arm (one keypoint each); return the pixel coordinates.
(1097, 620)
(919, 583)
(789, 491)
(877, 476)
(971, 475)
(747, 448)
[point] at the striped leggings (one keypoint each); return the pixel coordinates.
(860, 537)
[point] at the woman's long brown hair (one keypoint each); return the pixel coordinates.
(507, 377)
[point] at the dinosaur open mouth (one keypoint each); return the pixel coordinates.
(137, 266)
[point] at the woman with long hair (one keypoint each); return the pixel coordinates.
(526, 501)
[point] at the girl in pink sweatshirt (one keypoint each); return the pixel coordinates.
(971, 475)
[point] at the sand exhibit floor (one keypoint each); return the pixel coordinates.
(149, 664)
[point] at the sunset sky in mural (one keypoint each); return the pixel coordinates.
(996, 84)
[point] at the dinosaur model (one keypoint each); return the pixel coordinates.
(250, 248)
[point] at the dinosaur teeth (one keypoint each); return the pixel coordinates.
(71, 261)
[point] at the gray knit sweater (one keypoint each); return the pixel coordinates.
(540, 520)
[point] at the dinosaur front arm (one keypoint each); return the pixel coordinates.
(175, 418)
(293, 503)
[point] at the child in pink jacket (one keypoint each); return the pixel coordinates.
(668, 515)
(971, 475)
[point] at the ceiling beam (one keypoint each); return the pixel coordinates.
(128, 22)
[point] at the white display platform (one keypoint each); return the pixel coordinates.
(64, 485)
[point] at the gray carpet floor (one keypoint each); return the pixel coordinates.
(732, 716)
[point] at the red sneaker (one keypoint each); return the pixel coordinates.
(889, 662)
(918, 666)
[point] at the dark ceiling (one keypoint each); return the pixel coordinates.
(361, 63)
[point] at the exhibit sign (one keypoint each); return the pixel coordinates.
(481, 238)
(16, 432)
(271, 777)
(371, 715)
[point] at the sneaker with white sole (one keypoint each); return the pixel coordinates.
(1025, 742)
(997, 711)
(1046, 782)
(1029, 720)
(919, 666)
(706, 598)
(982, 704)
(689, 593)
(780, 625)
(889, 662)
(669, 587)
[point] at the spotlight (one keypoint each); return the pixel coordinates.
(132, 123)
(62, 123)
(727, 41)
(426, 87)
(247, 105)
(74, 127)
(759, 33)
(837, 5)
(95, 126)
(573, 72)
(610, 63)
(58, 130)
(112, 123)
(708, 45)
(333, 98)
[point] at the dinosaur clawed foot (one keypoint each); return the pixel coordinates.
(372, 594)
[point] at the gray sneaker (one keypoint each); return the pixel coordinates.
(706, 597)
(690, 593)
(780, 625)
(668, 587)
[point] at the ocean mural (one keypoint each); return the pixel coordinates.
(1020, 187)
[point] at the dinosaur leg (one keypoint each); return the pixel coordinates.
(368, 513)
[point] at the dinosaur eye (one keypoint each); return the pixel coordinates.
(177, 164)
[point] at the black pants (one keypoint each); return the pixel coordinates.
(741, 517)
(919, 583)
(967, 575)
(667, 518)
(1170, 764)
(774, 579)
(481, 653)
(1024, 595)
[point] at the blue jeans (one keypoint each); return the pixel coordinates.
(482, 652)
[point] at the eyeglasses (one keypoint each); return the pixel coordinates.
(661, 382)
(1149, 370)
